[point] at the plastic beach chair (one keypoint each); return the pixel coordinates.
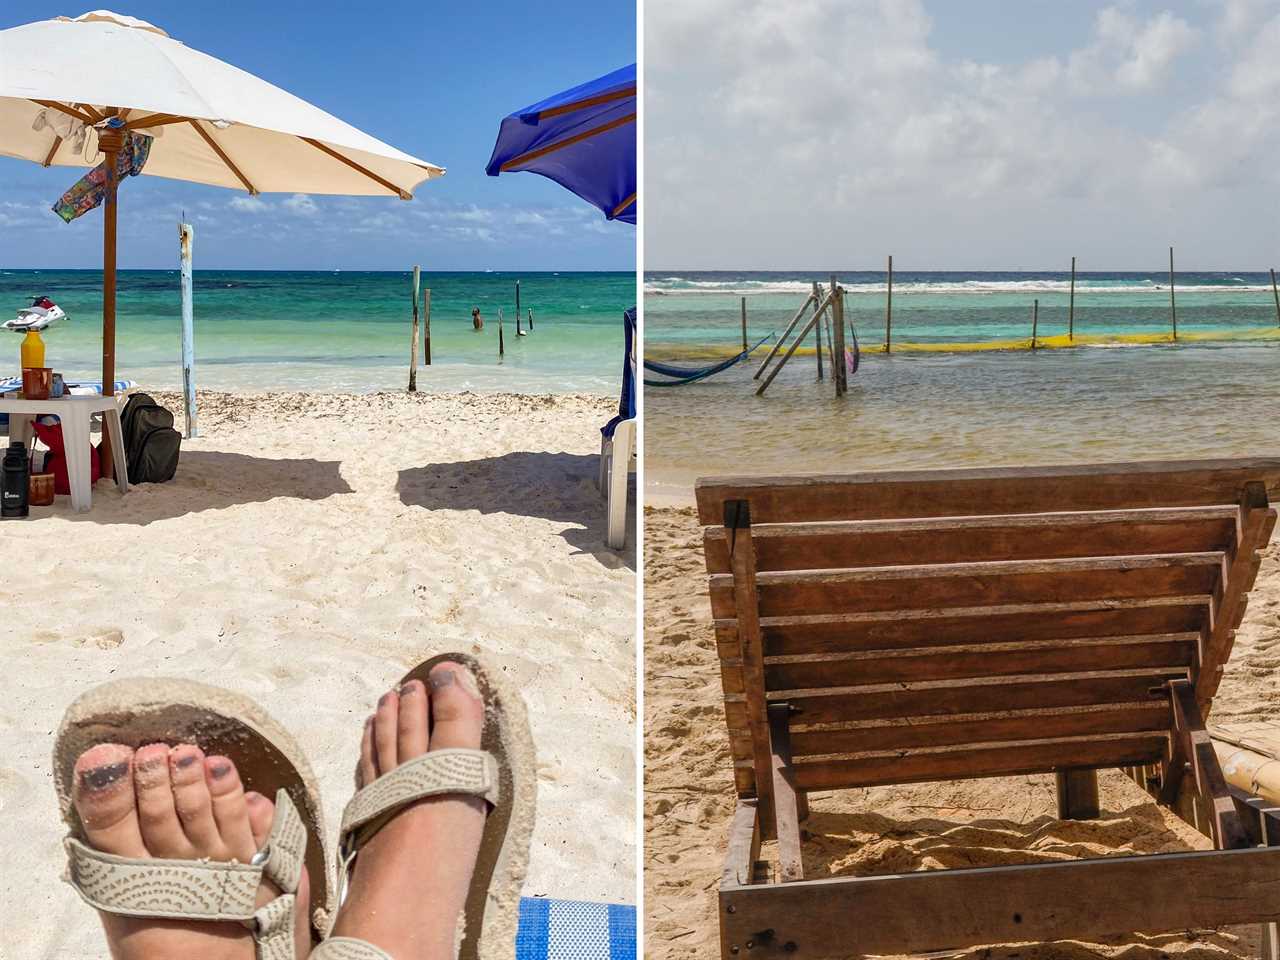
(618, 444)
(890, 628)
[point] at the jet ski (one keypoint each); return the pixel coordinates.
(42, 313)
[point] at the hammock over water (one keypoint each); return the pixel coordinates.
(682, 375)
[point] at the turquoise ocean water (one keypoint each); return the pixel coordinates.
(327, 331)
(1215, 392)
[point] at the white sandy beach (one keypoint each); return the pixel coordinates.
(310, 550)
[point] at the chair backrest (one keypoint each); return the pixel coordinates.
(936, 625)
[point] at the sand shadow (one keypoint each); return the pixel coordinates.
(207, 480)
(551, 486)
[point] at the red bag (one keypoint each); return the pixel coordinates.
(56, 460)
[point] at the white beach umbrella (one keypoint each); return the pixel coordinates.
(61, 82)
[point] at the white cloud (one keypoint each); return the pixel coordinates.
(300, 204)
(247, 204)
(834, 131)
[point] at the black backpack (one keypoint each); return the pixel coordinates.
(150, 442)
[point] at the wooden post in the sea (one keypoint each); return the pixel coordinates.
(817, 327)
(501, 349)
(744, 320)
(837, 342)
(888, 309)
(426, 324)
(1071, 310)
(413, 340)
(1035, 321)
(186, 236)
(531, 319)
(1275, 293)
(1173, 303)
(519, 332)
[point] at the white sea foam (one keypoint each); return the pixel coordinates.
(679, 286)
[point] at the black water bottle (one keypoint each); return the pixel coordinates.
(14, 477)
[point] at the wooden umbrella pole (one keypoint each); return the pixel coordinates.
(110, 142)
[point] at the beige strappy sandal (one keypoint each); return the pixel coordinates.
(145, 711)
(502, 772)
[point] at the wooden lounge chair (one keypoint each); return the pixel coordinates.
(888, 628)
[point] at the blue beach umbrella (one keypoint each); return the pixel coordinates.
(584, 139)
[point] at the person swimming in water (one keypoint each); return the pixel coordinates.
(476, 321)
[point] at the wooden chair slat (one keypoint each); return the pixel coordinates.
(979, 492)
(979, 760)
(903, 733)
(987, 660)
(973, 696)
(939, 586)
(928, 628)
(872, 543)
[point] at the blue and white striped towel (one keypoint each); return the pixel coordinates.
(74, 387)
(573, 930)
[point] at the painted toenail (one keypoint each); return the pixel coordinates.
(220, 770)
(187, 760)
(382, 700)
(409, 687)
(441, 679)
(99, 778)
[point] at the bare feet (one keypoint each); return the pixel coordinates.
(411, 879)
(176, 804)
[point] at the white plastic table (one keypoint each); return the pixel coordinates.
(75, 414)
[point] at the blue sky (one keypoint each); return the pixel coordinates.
(983, 134)
(431, 79)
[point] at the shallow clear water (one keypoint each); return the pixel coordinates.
(267, 330)
(944, 409)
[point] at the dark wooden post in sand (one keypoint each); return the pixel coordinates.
(1077, 794)
(1071, 309)
(426, 323)
(840, 372)
(817, 328)
(888, 309)
(1173, 305)
(744, 319)
(413, 339)
(1035, 321)
(1275, 293)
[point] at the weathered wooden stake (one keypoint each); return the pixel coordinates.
(744, 321)
(1035, 321)
(1071, 310)
(501, 349)
(777, 345)
(413, 340)
(837, 343)
(1275, 293)
(186, 237)
(519, 332)
(817, 328)
(1173, 304)
(888, 309)
(819, 310)
(531, 319)
(426, 323)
